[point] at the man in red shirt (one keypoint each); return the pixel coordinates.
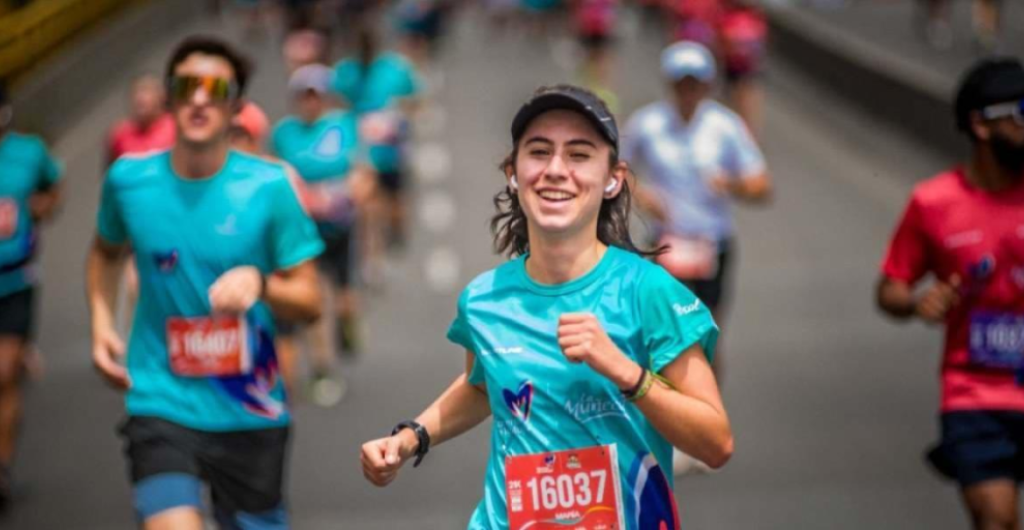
(149, 127)
(965, 230)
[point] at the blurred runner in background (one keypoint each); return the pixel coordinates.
(986, 17)
(221, 241)
(148, 127)
(937, 26)
(695, 20)
(595, 22)
(594, 361)
(421, 24)
(322, 143)
(29, 196)
(698, 157)
(304, 46)
(964, 230)
(935, 23)
(383, 89)
(742, 45)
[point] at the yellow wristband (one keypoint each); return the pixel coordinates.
(645, 387)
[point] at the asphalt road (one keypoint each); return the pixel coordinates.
(832, 405)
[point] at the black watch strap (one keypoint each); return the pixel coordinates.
(421, 435)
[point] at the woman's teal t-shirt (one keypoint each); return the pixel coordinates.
(541, 402)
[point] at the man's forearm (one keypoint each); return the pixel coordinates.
(293, 297)
(103, 272)
(896, 299)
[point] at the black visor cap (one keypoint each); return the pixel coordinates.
(567, 99)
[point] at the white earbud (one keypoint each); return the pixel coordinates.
(611, 186)
(513, 183)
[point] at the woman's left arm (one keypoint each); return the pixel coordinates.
(691, 416)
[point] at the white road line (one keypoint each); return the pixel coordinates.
(437, 211)
(432, 162)
(441, 269)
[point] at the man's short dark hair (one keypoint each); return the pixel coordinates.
(206, 45)
(990, 81)
(3, 93)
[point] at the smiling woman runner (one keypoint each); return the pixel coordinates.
(594, 361)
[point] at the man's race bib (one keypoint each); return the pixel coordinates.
(8, 218)
(208, 346)
(997, 340)
(689, 258)
(576, 488)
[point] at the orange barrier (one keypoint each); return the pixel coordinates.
(27, 34)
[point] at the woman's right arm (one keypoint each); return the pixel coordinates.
(460, 408)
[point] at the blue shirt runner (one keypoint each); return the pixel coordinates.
(26, 167)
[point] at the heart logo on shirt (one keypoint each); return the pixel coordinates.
(166, 261)
(520, 402)
(330, 144)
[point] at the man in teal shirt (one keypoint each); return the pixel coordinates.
(222, 244)
(29, 194)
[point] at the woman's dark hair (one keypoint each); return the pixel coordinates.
(509, 226)
(241, 65)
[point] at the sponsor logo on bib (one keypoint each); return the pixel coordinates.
(8, 218)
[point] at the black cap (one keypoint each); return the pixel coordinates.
(988, 82)
(567, 97)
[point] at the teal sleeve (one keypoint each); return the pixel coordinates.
(411, 85)
(672, 320)
(459, 333)
(109, 221)
(51, 169)
(295, 237)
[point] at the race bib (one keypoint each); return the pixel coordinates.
(381, 128)
(689, 258)
(330, 202)
(577, 488)
(208, 346)
(8, 218)
(997, 340)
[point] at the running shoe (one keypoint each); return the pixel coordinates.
(347, 333)
(326, 391)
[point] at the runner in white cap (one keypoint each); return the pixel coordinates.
(698, 156)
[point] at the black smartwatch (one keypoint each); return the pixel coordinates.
(263, 286)
(421, 435)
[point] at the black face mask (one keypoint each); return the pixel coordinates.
(1009, 155)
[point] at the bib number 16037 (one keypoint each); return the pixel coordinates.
(568, 491)
(576, 488)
